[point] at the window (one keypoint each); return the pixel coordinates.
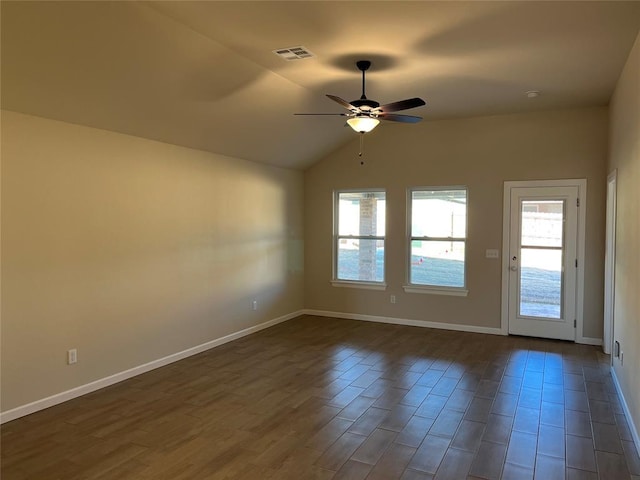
(437, 238)
(359, 232)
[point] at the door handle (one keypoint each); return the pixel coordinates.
(513, 268)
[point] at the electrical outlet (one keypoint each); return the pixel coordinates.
(72, 356)
(393, 299)
(254, 305)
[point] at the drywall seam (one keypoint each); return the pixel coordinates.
(61, 397)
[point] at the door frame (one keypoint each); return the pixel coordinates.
(581, 183)
(610, 263)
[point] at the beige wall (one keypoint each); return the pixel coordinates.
(624, 155)
(131, 250)
(480, 153)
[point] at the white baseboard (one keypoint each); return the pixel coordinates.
(132, 372)
(406, 321)
(627, 412)
(589, 341)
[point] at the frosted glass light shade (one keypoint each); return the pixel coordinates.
(363, 124)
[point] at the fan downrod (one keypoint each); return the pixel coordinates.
(363, 103)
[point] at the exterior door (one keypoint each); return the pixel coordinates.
(542, 261)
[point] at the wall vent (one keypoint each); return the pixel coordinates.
(294, 53)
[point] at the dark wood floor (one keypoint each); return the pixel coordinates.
(320, 398)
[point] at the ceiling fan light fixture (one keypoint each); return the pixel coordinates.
(363, 124)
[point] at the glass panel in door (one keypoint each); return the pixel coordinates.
(541, 258)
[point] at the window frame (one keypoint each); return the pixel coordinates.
(435, 289)
(366, 284)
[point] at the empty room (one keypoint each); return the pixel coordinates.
(320, 240)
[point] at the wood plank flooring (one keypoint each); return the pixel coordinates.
(321, 398)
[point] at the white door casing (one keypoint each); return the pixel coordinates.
(609, 263)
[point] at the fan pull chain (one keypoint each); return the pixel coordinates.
(361, 144)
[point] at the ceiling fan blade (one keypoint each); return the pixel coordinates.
(342, 102)
(399, 118)
(402, 105)
(336, 114)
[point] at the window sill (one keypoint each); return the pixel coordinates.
(354, 284)
(452, 291)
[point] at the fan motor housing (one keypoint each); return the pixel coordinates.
(366, 103)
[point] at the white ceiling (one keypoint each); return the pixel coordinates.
(203, 75)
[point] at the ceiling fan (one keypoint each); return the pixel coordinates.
(364, 114)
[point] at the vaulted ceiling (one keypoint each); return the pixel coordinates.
(204, 75)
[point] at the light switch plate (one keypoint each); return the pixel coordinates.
(492, 253)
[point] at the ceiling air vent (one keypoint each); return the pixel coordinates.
(294, 53)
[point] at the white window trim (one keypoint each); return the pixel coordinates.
(337, 282)
(435, 289)
(359, 284)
